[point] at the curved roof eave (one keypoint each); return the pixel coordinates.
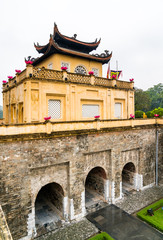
(91, 44)
(54, 48)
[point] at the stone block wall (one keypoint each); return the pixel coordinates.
(28, 165)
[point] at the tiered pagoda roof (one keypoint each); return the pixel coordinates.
(59, 43)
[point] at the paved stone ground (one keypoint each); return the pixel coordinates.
(134, 202)
(76, 231)
(82, 230)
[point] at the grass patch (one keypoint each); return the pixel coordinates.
(157, 219)
(101, 236)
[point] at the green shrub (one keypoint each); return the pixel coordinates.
(156, 220)
(148, 114)
(101, 236)
(139, 114)
(157, 111)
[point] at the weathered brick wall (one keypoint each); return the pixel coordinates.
(27, 166)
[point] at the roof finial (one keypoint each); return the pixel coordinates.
(74, 36)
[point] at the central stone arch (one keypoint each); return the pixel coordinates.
(128, 177)
(49, 206)
(95, 187)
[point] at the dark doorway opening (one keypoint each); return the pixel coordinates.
(49, 206)
(128, 174)
(95, 188)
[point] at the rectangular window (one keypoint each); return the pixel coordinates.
(96, 71)
(90, 110)
(54, 109)
(118, 110)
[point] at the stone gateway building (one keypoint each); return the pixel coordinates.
(52, 170)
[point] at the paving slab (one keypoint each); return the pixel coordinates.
(121, 226)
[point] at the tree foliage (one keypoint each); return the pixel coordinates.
(142, 100)
(150, 99)
(156, 96)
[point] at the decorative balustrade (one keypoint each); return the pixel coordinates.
(103, 82)
(47, 74)
(43, 73)
(122, 84)
(79, 78)
(21, 75)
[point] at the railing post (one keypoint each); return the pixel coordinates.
(29, 70)
(131, 85)
(114, 82)
(48, 127)
(92, 79)
(64, 75)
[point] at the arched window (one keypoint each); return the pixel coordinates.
(81, 70)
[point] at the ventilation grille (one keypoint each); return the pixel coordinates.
(54, 109)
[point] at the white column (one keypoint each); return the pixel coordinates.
(65, 208)
(71, 209)
(31, 224)
(138, 181)
(106, 191)
(112, 192)
(120, 188)
(83, 203)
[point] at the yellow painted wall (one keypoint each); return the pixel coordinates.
(57, 60)
(28, 102)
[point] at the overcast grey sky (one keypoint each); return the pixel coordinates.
(131, 29)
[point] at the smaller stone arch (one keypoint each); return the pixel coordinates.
(95, 187)
(128, 176)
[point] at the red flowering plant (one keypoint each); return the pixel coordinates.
(156, 115)
(10, 77)
(91, 72)
(47, 118)
(4, 81)
(132, 116)
(97, 117)
(28, 62)
(64, 68)
(132, 79)
(17, 71)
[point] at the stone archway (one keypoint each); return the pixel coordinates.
(49, 207)
(95, 187)
(128, 177)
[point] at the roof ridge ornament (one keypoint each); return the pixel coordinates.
(102, 55)
(74, 36)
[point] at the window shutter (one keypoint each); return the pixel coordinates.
(54, 109)
(118, 110)
(90, 110)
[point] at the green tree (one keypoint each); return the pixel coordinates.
(142, 100)
(156, 95)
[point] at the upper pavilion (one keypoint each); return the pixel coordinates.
(66, 84)
(70, 46)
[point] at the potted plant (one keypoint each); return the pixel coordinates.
(91, 73)
(97, 117)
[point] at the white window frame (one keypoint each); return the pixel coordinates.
(121, 115)
(49, 113)
(88, 110)
(96, 72)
